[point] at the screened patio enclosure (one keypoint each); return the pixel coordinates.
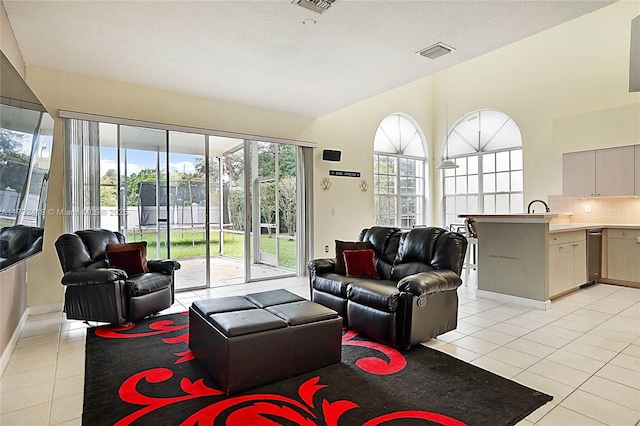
(228, 209)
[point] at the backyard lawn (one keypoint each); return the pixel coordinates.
(191, 244)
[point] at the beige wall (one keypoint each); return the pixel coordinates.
(13, 281)
(8, 43)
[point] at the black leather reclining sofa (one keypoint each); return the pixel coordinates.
(415, 297)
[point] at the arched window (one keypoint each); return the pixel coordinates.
(487, 147)
(399, 173)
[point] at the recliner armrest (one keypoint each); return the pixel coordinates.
(425, 283)
(165, 266)
(93, 276)
(321, 266)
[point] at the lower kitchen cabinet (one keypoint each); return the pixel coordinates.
(623, 254)
(567, 262)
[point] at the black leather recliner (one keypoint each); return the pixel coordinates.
(415, 298)
(96, 292)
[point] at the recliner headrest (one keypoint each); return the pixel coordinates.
(96, 241)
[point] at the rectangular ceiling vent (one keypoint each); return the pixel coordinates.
(318, 6)
(435, 51)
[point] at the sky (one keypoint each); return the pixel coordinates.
(138, 160)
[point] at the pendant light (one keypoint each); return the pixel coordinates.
(446, 163)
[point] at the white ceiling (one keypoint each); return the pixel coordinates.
(259, 53)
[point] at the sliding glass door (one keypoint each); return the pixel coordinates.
(228, 209)
(274, 202)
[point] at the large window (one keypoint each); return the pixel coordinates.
(399, 173)
(487, 147)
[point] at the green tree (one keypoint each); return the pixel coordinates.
(287, 160)
(268, 203)
(288, 203)
(109, 189)
(15, 164)
(234, 168)
(236, 208)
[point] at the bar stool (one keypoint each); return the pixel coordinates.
(471, 232)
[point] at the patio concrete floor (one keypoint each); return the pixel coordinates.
(225, 271)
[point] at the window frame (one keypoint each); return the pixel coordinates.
(452, 204)
(395, 216)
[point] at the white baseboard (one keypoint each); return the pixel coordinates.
(45, 309)
(8, 350)
(506, 298)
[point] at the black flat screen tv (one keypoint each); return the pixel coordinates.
(26, 139)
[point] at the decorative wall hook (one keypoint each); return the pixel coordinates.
(325, 183)
(364, 186)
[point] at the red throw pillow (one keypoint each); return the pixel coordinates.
(129, 261)
(360, 263)
(141, 245)
(341, 246)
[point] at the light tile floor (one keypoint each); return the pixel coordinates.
(585, 351)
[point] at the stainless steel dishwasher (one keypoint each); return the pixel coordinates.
(594, 255)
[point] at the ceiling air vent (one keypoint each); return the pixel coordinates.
(318, 6)
(435, 51)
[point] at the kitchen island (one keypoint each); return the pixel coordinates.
(513, 258)
(526, 259)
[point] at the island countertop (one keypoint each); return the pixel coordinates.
(516, 217)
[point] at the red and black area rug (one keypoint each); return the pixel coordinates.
(144, 374)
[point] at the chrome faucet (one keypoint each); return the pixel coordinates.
(529, 211)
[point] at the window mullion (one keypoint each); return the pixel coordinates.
(480, 184)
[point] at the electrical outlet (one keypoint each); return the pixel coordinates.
(333, 212)
(587, 208)
(326, 249)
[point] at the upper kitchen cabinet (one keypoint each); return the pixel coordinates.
(615, 171)
(579, 174)
(606, 172)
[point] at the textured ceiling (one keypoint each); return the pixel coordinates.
(260, 53)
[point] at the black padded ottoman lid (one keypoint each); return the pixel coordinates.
(222, 304)
(273, 297)
(249, 321)
(304, 312)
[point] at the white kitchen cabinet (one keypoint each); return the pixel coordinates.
(579, 174)
(606, 172)
(567, 262)
(615, 171)
(623, 254)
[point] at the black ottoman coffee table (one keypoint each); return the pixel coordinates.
(251, 340)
